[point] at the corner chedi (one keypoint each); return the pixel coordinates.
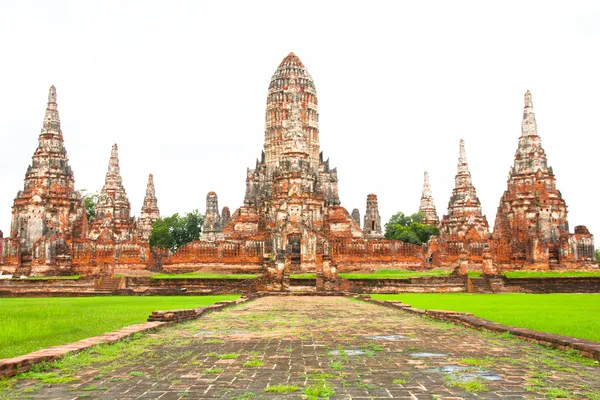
(427, 206)
(531, 226)
(464, 228)
(372, 222)
(213, 226)
(48, 212)
(150, 212)
(113, 221)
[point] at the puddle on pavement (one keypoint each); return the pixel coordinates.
(425, 354)
(388, 337)
(349, 352)
(220, 332)
(463, 374)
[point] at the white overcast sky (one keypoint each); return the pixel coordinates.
(181, 87)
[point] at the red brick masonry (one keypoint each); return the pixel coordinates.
(13, 366)
(587, 348)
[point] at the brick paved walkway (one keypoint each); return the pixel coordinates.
(316, 345)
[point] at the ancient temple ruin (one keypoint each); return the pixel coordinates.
(531, 224)
(48, 212)
(372, 222)
(150, 212)
(113, 220)
(291, 219)
(464, 228)
(427, 206)
(213, 222)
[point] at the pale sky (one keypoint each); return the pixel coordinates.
(181, 87)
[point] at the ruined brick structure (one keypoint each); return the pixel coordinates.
(464, 228)
(356, 216)
(150, 212)
(291, 219)
(48, 212)
(225, 215)
(113, 220)
(372, 221)
(213, 225)
(531, 225)
(427, 206)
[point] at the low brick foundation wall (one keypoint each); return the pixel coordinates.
(425, 284)
(16, 365)
(47, 287)
(589, 284)
(187, 286)
(587, 348)
(194, 313)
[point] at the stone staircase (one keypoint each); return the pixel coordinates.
(25, 268)
(481, 285)
(108, 284)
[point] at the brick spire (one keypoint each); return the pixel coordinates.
(427, 207)
(48, 203)
(530, 156)
(291, 111)
(113, 211)
(150, 212)
(532, 209)
(464, 208)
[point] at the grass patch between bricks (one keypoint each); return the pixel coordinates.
(282, 389)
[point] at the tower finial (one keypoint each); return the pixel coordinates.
(113, 162)
(51, 119)
(528, 101)
(52, 94)
(528, 126)
(426, 186)
(462, 155)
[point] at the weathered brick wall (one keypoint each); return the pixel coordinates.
(426, 284)
(187, 286)
(46, 287)
(361, 254)
(552, 285)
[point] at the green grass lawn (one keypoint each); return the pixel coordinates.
(561, 313)
(203, 275)
(29, 324)
(393, 273)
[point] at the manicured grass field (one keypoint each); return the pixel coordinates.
(203, 275)
(29, 324)
(561, 313)
(394, 273)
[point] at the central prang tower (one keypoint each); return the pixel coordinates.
(292, 194)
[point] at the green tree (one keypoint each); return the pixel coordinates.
(598, 255)
(175, 231)
(409, 229)
(90, 200)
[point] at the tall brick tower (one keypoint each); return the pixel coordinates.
(48, 206)
(292, 191)
(113, 221)
(150, 212)
(427, 206)
(532, 215)
(465, 220)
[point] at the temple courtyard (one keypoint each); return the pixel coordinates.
(312, 347)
